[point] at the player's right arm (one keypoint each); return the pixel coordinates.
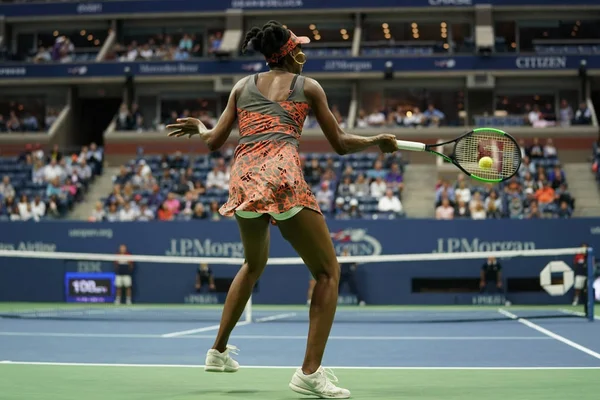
(342, 142)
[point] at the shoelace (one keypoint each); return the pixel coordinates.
(231, 349)
(330, 380)
(330, 375)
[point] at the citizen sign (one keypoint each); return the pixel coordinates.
(541, 62)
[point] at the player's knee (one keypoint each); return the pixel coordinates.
(329, 272)
(254, 269)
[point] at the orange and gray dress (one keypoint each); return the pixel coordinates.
(266, 175)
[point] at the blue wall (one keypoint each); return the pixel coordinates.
(385, 283)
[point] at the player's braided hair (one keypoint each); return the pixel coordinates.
(267, 40)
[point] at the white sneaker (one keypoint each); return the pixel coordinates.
(362, 303)
(320, 384)
(575, 301)
(221, 362)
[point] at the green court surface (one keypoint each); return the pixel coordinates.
(45, 382)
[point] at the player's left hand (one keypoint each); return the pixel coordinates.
(187, 126)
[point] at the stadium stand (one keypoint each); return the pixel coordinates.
(179, 187)
(42, 184)
(539, 190)
(27, 114)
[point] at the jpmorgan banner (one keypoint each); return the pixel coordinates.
(383, 283)
(331, 66)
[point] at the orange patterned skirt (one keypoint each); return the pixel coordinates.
(266, 177)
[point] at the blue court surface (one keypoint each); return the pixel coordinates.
(430, 353)
(413, 338)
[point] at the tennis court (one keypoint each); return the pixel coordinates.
(425, 352)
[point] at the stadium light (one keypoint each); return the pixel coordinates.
(312, 27)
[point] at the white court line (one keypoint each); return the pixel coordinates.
(578, 313)
(215, 327)
(198, 330)
(550, 333)
(64, 364)
(275, 317)
(265, 337)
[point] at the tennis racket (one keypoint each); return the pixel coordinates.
(471, 147)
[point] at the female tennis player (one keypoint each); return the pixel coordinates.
(267, 182)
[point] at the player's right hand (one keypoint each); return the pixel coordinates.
(387, 143)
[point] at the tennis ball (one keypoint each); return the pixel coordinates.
(485, 162)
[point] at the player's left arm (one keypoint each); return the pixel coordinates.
(217, 136)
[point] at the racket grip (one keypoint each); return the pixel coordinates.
(412, 146)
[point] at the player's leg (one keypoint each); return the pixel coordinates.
(309, 235)
(255, 238)
(311, 287)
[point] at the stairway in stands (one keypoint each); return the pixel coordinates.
(584, 189)
(419, 194)
(101, 187)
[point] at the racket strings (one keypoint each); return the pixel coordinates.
(504, 152)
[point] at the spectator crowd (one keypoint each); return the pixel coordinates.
(179, 188)
(402, 116)
(45, 184)
(18, 120)
(165, 48)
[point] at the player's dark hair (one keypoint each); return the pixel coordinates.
(267, 40)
